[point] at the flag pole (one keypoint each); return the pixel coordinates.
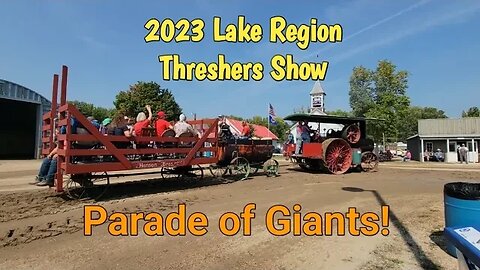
(268, 118)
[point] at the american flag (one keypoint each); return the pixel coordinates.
(271, 115)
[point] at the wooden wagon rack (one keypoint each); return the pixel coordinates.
(186, 151)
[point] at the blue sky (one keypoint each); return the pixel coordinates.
(102, 43)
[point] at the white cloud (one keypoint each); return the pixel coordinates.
(444, 17)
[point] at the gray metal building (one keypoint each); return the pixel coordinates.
(446, 135)
(21, 110)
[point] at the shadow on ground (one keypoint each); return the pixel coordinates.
(423, 260)
(439, 239)
(155, 185)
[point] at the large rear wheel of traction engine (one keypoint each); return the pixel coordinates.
(239, 168)
(337, 155)
(369, 162)
(88, 185)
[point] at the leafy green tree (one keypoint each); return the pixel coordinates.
(339, 113)
(408, 121)
(88, 109)
(300, 110)
(133, 100)
(380, 94)
(361, 91)
(471, 112)
(234, 117)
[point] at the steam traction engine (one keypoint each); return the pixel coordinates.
(335, 150)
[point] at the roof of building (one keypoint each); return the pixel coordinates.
(14, 91)
(447, 127)
(259, 131)
(326, 118)
(317, 89)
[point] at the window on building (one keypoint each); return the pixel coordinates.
(429, 147)
(451, 147)
(470, 146)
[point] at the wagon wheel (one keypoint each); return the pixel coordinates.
(337, 155)
(217, 171)
(239, 167)
(91, 185)
(191, 173)
(352, 133)
(254, 170)
(369, 162)
(271, 167)
(169, 173)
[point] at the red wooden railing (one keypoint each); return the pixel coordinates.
(190, 155)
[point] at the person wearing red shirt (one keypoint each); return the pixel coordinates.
(246, 130)
(142, 121)
(161, 124)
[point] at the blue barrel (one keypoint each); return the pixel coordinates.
(462, 207)
(357, 156)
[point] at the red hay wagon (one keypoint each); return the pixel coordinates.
(84, 171)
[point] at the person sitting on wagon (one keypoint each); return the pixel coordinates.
(182, 127)
(48, 169)
(119, 127)
(104, 127)
(94, 122)
(161, 124)
(246, 131)
(224, 131)
(142, 121)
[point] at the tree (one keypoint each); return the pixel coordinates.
(88, 109)
(361, 91)
(409, 120)
(234, 117)
(133, 101)
(279, 129)
(300, 110)
(339, 113)
(380, 94)
(471, 112)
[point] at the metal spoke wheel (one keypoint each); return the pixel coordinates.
(170, 173)
(217, 171)
(239, 168)
(369, 162)
(337, 155)
(271, 167)
(87, 186)
(254, 170)
(191, 173)
(352, 133)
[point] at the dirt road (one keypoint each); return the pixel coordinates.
(39, 230)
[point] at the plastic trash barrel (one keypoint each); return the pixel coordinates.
(357, 156)
(462, 207)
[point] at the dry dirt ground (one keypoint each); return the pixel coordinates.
(42, 230)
